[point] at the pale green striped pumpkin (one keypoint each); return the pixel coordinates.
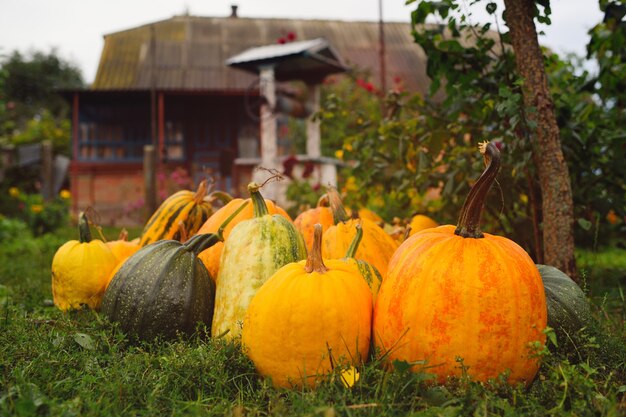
(254, 250)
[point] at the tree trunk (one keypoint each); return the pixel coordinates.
(557, 206)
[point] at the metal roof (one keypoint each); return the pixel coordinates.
(311, 60)
(189, 52)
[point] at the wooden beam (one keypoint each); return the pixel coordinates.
(149, 175)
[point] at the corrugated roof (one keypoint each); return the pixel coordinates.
(191, 51)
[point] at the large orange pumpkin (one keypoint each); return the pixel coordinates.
(211, 256)
(304, 313)
(457, 292)
(376, 246)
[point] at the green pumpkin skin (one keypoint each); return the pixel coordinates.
(160, 291)
(568, 308)
(255, 249)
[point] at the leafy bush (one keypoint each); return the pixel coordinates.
(40, 216)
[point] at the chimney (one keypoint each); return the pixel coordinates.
(233, 10)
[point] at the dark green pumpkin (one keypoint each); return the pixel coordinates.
(568, 308)
(163, 289)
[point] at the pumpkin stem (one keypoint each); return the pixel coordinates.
(203, 241)
(469, 220)
(201, 192)
(123, 235)
(198, 243)
(323, 201)
(336, 206)
(314, 261)
(221, 196)
(220, 231)
(83, 228)
(354, 245)
(258, 203)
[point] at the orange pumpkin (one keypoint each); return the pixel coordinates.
(211, 256)
(122, 248)
(306, 221)
(304, 313)
(376, 247)
(457, 292)
(420, 222)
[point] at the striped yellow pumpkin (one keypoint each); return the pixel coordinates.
(180, 215)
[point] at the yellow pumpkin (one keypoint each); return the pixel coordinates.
(80, 270)
(420, 222)
(306, 312)
(376, 247)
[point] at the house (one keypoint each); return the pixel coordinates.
(167, 83)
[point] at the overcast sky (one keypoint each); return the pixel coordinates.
(75, 27)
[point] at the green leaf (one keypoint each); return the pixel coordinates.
(585, 224)
(85, 341)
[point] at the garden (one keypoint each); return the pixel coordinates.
(419, 286)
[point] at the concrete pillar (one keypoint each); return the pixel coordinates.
(269, 133)
(313, 134)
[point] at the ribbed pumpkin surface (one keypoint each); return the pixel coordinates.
(304, 313)
(80, 270)
(446, 296)
(306, 221)
(568, 308)
(211, 256)
(255, 249)
(456, 292)
(376, 247)
(183, 207)
(161, 290)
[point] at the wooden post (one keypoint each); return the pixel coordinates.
(47, 170)
(149, 176)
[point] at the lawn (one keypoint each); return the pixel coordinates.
(78, 364)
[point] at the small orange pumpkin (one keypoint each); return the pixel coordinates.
(457, 292)
(420, 222)
(122, 248)
(306, 221)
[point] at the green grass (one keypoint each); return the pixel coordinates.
(78, 364)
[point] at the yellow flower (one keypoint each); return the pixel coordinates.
(523, 198)
(14, 192)
(349, 377)
(347, 147)
(36, 208)
(339, 154)
(65, 194)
